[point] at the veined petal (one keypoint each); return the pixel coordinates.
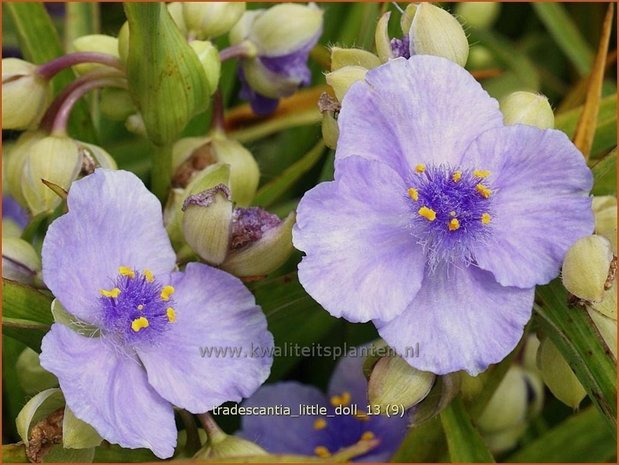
(361, 260)
(109, 391)
(218, 344)
(542, 203)
(113, 221)
(462, 319)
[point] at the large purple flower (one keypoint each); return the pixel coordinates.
(323, 435)
(110, 263)
(441, 220)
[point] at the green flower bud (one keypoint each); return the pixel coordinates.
(20, 262)
(223, 446)
(478, 15)
(17, 156)
(508, 405)
(123, 42)
(381, 38)
(480, 58)
(506, 439)
(116, 104)
(25, 95)
(94, 43)
(32, 377)
(10, 228)
(605, 211)
(527, 108)
(435, 32)
(341, 57)
(558, 375)
(394, 382)
(261, 256)
(406, 20)
(607, 328)
(529, 355)
(341, 79)
(330, 129)
(176, 12)
(211, 19)
(191, 155)
(585, 268)
(209, 59)
(608, 305)
(135, 124)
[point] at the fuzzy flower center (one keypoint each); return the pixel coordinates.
(137, 307)
(452, 210)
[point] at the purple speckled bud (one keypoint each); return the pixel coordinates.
(401, 47)
(249, 225)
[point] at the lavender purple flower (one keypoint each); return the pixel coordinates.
(110, 263)
(441, 220)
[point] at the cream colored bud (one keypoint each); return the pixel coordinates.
(504, 440)
(607, 328)
(227, 446)
(330, 130)
(608, 305)
(343, 78)
(508, 405)
(381, 38)
(211, 19)
(32, 377)
(527, 108)
(123, 42)
(558, 375)
(406, 20)
(94, 43)
(478, 15)
(605, 211)
(17, 156)
(585, 268)
(20, 262)
(209, 59)
(135, 124)
(116, 104)
(341, 57)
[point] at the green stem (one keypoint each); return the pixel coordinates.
(161, 175)
(192, 444)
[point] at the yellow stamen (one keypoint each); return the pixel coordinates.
(345, 398)
(427, 213)
(141, 307)
(483, 190)
(320, 423)
(420, 168)
(166, 292)
(112, 293)
(367, 436)
(457, 176)
(322, 451)
(481, 173)
(139, 323)
(335, 400)
(362, 416)
(485, 218)
(149, 275)
(413, 193)
(126, 271)
(454, 224)
(171, 313)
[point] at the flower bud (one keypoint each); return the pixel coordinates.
(123, 42)
(343, 78)
(435, 32)
(209, 59)
(20, 262)
(16, 158)
(480, 58)
(478, 15)
(394, 382)
(585, 268)
(178, 15)
(207, 223)
(14, 217)
(193, 154)
(135, 124)
(211, 19)
(341, 57)
(116, 104)
(607, 328)
(260, 242)
(608, 305)
(226, 446)
(406, 20)
(527, 108)
(25, 95)
(605, 211)
(508, 405)
(558, 375)
(504, 440)
(32, 377)
(330, 129)
(381, 38)
(94, 43)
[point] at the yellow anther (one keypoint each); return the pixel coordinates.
(320, 423)
(112, 293)
(335, 400)
(485, 218)
(345, 398)
(483, 190)
(139, 323)
(149, 275)
(368, 435)
(141, 307)
(420, 168)
(171, 314)
(481, 173)
(322, 451)
(454, 224)
(427, 213)
(166, 292)
(456, 176)
(413, 193)
(126, 271)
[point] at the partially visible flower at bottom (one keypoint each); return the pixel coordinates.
(110, 263)
(319, 435)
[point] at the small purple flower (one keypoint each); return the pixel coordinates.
(110, 263)
(318, 434)
(441, 220)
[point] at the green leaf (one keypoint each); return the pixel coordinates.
(605, 175)
(81, 18)
(113, 453)
(566, 34)
(422, 443)
(274, 190)
(583, 437)
(575, 335)
(37, 409)
(77, 434)
(57, 454)
(14, 453)
(463, 440)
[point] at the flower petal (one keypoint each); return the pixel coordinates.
(361, 260)
(113, 221)
(461, 319)
(218, 347)
(109, 391)
(284, 434)
(542, 204)
(424, 109)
